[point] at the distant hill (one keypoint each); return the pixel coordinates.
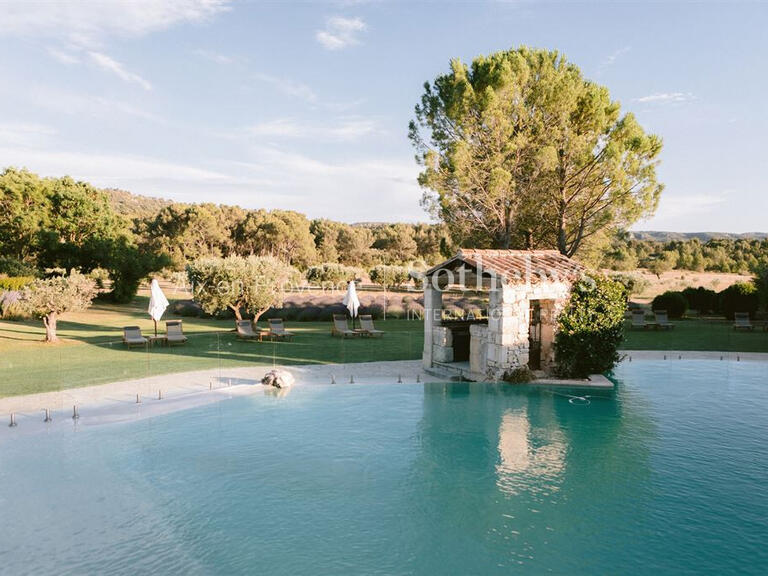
(135, 205)
(703, 236)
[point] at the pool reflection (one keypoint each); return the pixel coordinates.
(529, 454)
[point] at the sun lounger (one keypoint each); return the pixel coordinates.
(245, 330)
(174, 333)
(662, 321)
(741, 321)
(341, 328)
(132, 336)
(277, 329)
(367, 327)
(638, 319)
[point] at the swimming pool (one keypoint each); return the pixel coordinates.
(668, 475)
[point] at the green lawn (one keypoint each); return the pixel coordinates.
(91, 351)
(697, 335)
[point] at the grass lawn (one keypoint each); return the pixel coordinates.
(701, 335)
(91, 351)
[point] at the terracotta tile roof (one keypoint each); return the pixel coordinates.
(518, 265)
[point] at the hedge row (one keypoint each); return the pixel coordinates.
(740, 297)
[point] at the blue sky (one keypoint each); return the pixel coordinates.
(305, 106)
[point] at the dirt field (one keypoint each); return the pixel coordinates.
(679, 279)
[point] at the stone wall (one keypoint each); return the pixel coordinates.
(507, 345)
(502, 345)
(442, 344)
(478, 352)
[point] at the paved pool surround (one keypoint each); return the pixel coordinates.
(164, 393)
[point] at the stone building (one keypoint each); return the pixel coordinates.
(526, 291)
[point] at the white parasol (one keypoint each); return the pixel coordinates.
(351, 301)
(157, 302)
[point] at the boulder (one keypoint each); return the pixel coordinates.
(278, 379)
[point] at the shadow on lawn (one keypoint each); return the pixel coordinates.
(312, 344)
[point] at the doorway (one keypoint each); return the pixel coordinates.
(534, 336)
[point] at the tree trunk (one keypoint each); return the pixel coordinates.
(258, 313)
(236, 310)
(49, 321)
(562, 221)
(562, 243)
(507, 240)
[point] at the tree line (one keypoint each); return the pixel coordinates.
(186, 232)
(739, 256)
(61, 224)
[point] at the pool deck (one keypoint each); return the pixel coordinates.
(141, 398)
(630, 355)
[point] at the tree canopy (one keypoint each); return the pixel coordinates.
(253, 284)
(521, 141)
(64, 223)
(50, 297)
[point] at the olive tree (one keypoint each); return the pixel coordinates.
(253, 284)
(388, 277)
(48, 298)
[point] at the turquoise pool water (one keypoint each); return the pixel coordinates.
(668, 475)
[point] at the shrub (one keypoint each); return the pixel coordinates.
(633, 284)
(330, 275)
(100, 276)
(519, 375)
(12, 307)
(590, 328)
(187, 308)
(389, 276)
(290, 313)
(740, 297)
(701, 299)
(396, 312)
(15, 283)
(375, 310)
(14, 267)
(309, 314)
(673, 302)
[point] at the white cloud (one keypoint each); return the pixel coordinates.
(110, 65)
(353, 129)
(88, 23)
(666, 98)
(289, 87)
(340, 32)
(67, 58)
(282, 128)
(334, 189)
(266, 177)
(611, 59)
(144, 175)
(342, 129)
(23, 134)
(213, 56)
(690, 204)
(69, 103)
